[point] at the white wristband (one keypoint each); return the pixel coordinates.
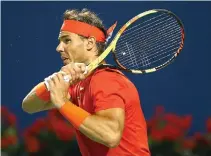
(66, 78)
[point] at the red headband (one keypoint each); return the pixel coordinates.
(83, 29)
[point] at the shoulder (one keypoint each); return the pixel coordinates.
(110, 79)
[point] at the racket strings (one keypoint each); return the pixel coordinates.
(172, 41)
(160, 58)
(143, 22)
(149, 43)
(156, 37)
(145, 60)
(145, 48)
(151, 34)
(147, 52)
(130, 34)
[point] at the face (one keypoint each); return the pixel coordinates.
(72, 48)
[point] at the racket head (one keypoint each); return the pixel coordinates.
(148, 42)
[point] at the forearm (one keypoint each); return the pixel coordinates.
(104, 127)
(32, 103)
(102, 130)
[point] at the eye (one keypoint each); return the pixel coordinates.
(67, 40)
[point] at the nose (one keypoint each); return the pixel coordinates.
(60, 47)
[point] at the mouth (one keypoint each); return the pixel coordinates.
(65, 60)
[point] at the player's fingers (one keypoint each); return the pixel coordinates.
(60, 76)
(63, 77)
(72, 74)
(55, 78)
(62, 72)
(82, 67)
(77, 72)
(66, 77)
(49, 83)
(81, 76)
(74, 70)
(65, 69)
(70, 71)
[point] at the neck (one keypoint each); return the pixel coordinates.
(93, 56)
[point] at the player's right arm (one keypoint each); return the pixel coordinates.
(32, 103)
(35, 101)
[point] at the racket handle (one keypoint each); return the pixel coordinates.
(67, 78)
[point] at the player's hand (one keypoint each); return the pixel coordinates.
(58, 88)
(76, 71)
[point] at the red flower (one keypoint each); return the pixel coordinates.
(63, 130)
(198, 136)
(54, 114)
(8, 141)
(11, 118)
(172, 118)
(38, 125)
(157, 134)
(4, 111)
(180, 122)
(171, 132)
(201, 138)
(8, 116)
(208, 125)
(35, 128)
(189, 143)
(152, 122)
(26, 132)
(186, 122)
(32, 144)
(12, 140)
(4, 143)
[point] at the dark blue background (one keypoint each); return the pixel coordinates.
(29, 38)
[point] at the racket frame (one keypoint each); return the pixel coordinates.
(112, 46)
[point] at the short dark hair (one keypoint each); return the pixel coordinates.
(88, 17)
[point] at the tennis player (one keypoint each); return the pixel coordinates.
(104, 107)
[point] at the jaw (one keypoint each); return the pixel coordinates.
(66, 61)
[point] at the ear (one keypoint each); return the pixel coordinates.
(91, 43)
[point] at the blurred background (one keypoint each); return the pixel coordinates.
(178, 94)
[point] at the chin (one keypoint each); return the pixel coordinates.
(65, 62)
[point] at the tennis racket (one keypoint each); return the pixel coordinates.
(146, 43)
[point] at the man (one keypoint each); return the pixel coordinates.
(104, 107)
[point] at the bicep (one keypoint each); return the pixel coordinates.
(115, 116)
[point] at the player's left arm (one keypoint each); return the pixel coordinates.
(105, 127)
